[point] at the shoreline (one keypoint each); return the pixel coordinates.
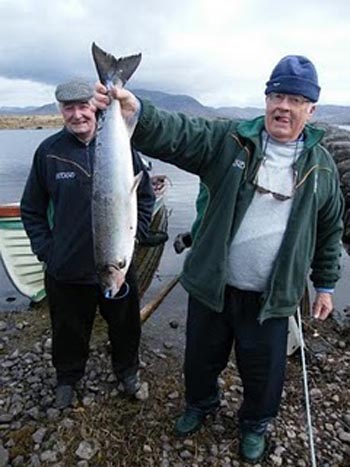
(19, 122)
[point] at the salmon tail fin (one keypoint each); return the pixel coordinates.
(113, 70)
(137, 181)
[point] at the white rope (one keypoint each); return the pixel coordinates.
(306, 390)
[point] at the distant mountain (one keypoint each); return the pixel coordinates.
(176, 102)
(17, 110)
(48, 109)
(189, 105)
(240, 113)
(333, 114)
(336, 114)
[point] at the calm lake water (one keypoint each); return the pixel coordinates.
(17, 147)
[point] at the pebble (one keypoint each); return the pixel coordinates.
(214, 450)
(168, 345)
(5, 418)
(112, 378)
(143, 393)
(279, 451)
(86, 450)
(174, 395)
(166, 448)
(142, 364)
(185, 454)
(188, 443)
(174, 324)
(8, 364)
(160, 355)
(276, 460)
(88, 400)
(344, 436)
(52, 414)
(218, 428)
(301, 463)
(48, 456)
(83, 463)
(39, 435)
(4, 456)
(34, 461)
(67, 423)
(221, 382)
(316, 393)
(48, 344)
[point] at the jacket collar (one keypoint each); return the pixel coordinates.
(72, 137)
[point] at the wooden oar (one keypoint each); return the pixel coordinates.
(148, 309)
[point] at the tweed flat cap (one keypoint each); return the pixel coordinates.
(75, 90)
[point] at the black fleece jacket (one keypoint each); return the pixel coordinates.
(56, 206)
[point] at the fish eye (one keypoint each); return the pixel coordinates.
(121, 264)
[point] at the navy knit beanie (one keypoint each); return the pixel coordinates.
(294, 74)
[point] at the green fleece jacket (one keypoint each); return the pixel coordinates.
(226, 155)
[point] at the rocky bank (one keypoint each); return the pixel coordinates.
(103, 428)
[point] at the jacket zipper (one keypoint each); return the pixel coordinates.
(68, 161)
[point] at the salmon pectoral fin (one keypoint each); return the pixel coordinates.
(130, 124)
(137, 181)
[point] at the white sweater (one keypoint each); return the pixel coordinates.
(259, 237)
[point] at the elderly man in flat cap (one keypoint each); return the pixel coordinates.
(60, 183)
(271, 210)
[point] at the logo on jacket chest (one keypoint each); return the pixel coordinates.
(65, 175)
(239, 164)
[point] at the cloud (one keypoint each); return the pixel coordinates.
(24, 93)
(218, 52)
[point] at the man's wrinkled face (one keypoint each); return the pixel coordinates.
(79, 118)
(286, 115)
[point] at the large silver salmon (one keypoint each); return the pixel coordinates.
(114, 202)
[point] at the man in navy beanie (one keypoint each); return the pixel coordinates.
(270, 212)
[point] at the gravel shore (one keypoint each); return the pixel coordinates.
(103, 428)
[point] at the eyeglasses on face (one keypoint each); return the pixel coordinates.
(293, 99)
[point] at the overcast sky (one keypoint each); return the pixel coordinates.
(220, 52)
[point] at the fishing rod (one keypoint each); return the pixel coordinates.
(306, 390)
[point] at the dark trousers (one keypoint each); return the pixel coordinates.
(260, 351)
(72, 311)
